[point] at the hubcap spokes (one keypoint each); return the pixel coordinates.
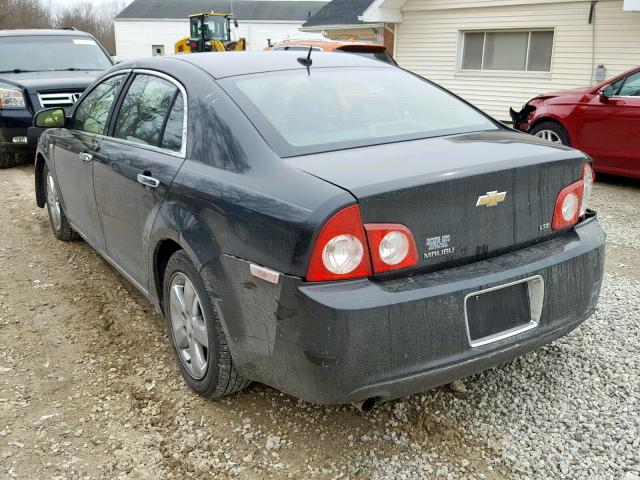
(54, 203)
(549, 136)
(188, 326)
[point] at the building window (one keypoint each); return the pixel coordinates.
(157, 50)
(507, 50)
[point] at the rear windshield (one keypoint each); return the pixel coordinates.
(334, 108)
(45, 53)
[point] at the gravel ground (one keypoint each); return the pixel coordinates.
(89, 388)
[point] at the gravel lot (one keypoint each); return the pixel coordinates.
(89, 387)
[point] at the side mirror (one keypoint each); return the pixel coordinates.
(50, 118)
(607, 92)
(235, 22)
(115, 60)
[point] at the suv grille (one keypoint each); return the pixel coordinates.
(48, 100)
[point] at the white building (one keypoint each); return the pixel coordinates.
(152, 27)
(498, 53)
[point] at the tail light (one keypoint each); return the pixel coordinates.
(573, 200)
(347, 249)
(392, 246)
(341, 250)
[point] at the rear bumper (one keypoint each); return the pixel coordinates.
(349, 341)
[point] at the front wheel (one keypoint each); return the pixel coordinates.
(552, 132)
(196, 333)
(61, 227)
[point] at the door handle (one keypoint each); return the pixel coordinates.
(148, 181)
(85, 157)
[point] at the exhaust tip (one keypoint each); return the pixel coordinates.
(366, 405)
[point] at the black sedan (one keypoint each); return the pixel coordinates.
(332, 226)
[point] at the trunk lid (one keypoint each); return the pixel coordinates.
(440, 187)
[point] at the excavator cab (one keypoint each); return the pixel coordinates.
(210, 32)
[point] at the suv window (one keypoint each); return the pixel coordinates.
(144, 110)
(631, 86)
(93, 111)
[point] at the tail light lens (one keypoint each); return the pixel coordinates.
(347, 249)
(341, 251)
(392, 246)
(573, 200)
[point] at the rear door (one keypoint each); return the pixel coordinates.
(610, 126)
(136, 165)
(74, 152)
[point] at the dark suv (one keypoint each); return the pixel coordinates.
(41, 69)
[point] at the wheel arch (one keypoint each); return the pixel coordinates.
(177, 228)
(552, 119)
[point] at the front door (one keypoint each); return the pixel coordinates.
(135, 167)
(611, 126)
(73, 156)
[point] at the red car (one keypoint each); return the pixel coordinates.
(602, 121)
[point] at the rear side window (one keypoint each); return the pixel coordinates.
(172, 138)
(330, 109)
(145, 109)
(93, 111)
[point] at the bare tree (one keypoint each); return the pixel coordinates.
(85, 16)
(24, 14)
(97, 21)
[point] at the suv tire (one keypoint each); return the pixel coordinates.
(7, 158)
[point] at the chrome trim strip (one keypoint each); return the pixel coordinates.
(535, 286)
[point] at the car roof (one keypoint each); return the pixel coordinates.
(229, 64)
(48, 32)
(330, 45)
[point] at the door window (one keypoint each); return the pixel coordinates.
(144, 110)
(631, 86)
(92, 113)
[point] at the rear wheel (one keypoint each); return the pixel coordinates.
(196, 333)
(61, 227)
(7, 158)
(552, 132)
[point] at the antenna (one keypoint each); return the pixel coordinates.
(307, 62)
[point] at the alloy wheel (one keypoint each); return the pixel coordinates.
(53, 201)
(549, 136)
(188, 326)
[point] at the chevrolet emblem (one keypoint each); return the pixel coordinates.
(491, 199)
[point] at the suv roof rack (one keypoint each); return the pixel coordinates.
(68, 28)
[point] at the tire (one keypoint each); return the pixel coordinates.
(7, 158)
(186, 327)
(61, 227)
(552, 132)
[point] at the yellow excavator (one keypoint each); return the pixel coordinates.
(210, 32)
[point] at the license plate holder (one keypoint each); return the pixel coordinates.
(500, 312)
